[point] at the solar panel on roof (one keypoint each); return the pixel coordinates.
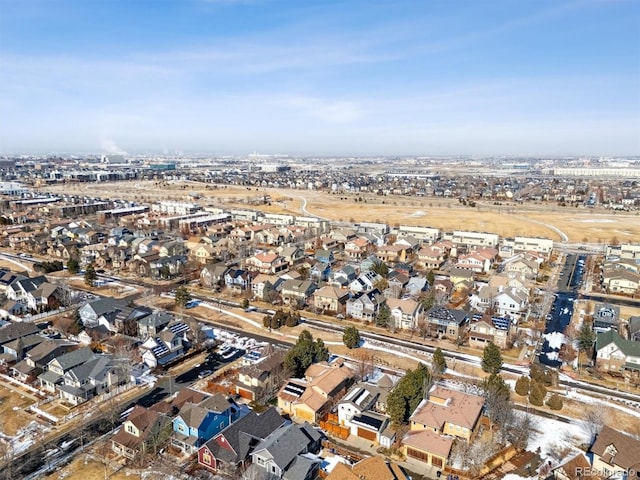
(501, 322)
(294, 389)
(374, 423)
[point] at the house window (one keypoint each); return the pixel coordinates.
(131, 429)
(206, 458)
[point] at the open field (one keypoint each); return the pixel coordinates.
(89, 470)
(12, 415)
(507, 219)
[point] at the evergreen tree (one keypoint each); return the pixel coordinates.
(408, 393)
(491, 359)
(586, 338)
(384, 315)
(438, 363)
(522, 386)
(73, 266)
(351, 337)
(380, 268)
(305, 352)
(431, 277)
(90, 275)
(537, 394)
(555, 402)
(182, 296)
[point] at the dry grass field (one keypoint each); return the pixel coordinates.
(12, 415)
(91, 470)
(447, 214)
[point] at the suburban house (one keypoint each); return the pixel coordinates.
(311, 397)
(57, 367)
(165, 347)
(262, 378)
(443, 415)
(213, 275)
(198, 422)
(432, 257)
(265, 287)
(618, 280)
(361, 410)
(238, 280)
(446, 322)
(405, 313)
(634, 328)
(616, 354)
(270, 263)
(140, 431)
(365, 305)
(478, 261)
(330, 299)
(366, 281)
(152, 325)
(605, 317)
(358, 248)
(370, 468)
(91, 378)
(448, 412)
(100, 311)
(297, 291)
(229, 451)
(509, 301)
(572, 469)
(494, 329)
(36, 359)
(287, 453)
(615, 452)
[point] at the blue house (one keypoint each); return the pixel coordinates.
(195, 424)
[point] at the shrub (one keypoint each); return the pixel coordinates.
(555, 402)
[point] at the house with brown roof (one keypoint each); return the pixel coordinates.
(262, 378)
(405, 313)
(140, 431)
(309, 398)
(266, 262)
(575, 468)
(428, 447)
(370, 468)
(448, 412)
(330, 299)
(615, 452)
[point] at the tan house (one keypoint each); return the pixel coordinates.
(261, 379)
(311, 397)
(428, 447)
(330, 299)
(432, 257)
(405, 313)
(614, 452)
(269, 263)
(138, 431)
(203, 253)
(370, 468)
(448, 412)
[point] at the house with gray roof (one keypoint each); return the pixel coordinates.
(153, 324)
(91, 378)
(56, 368)
(231, 448)
(279, 453)
(105, 307)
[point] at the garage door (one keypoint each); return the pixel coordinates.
(245, 394)
(368, 434)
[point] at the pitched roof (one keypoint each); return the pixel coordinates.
(628, 347)
(16, 330)
(284, 444)
(76, 357)
(624, 452)
(447, 405)
(429, 441)
(370, 468)
(236, 441)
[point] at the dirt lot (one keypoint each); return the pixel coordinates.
(578, 224)
(92, 470)
(12, 415)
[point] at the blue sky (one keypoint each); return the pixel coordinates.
(321, 77)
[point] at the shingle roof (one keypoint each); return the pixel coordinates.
(244, 434)
(626, 448)
(76, 357)
(627, 347)
(16, 330)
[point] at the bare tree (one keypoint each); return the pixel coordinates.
(6, 460)
(364, 361)
(520, 430)
(595, 417)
